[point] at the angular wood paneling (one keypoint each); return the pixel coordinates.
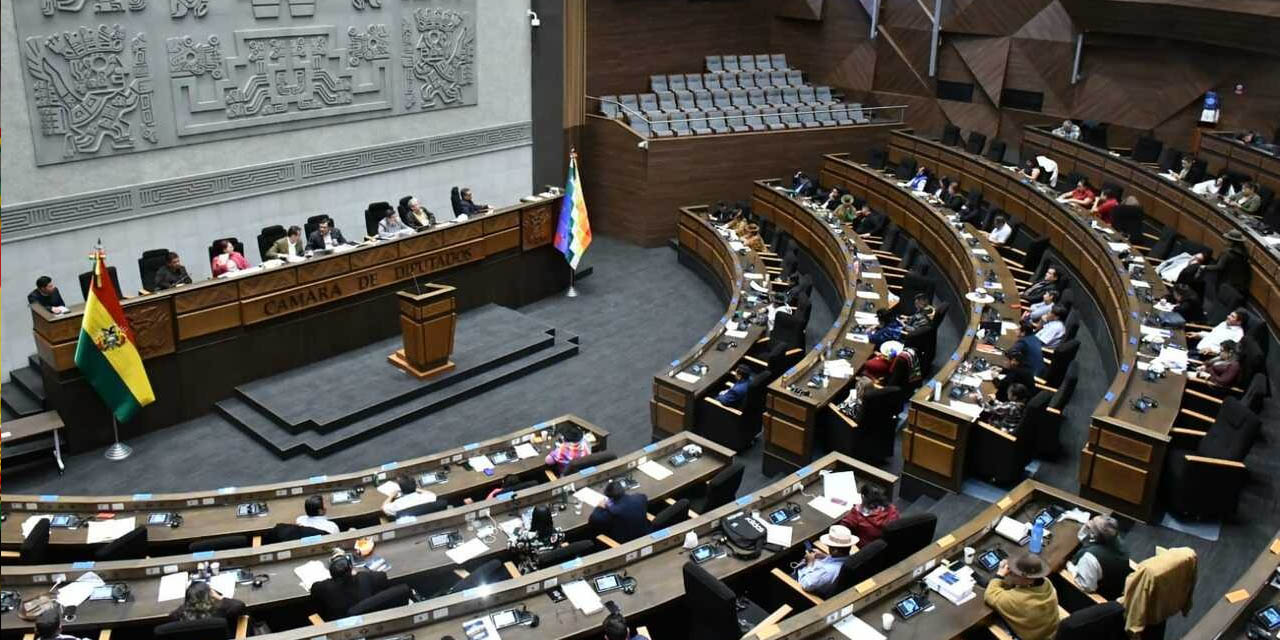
(986, 59)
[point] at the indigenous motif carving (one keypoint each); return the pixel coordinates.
(361, 5)
(50, 7)
(368, 45)
(439, 51)
(271, 8)
(179, 9)
(187, 57)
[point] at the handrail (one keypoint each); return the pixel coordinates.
(889, 114)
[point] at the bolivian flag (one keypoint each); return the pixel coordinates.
(107, 353)
(573, 232)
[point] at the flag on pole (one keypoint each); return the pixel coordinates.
(573, 232)
(107, 353)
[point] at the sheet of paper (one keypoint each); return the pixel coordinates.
(72, 595)
(868, 295)
(736, 335)
(828, 507)
(589, 497)
(526, 450)
(1118, 247)
(759, 287)
(776, 534)
(224, 583)
(736, 246)
(872, 275)
(108, 530)
(480, 463)
(174, 586)
(857, 337)
(509, 526)
(468, 550)
(31, 522)
(980, 252)
(1140, 284)
(864, 318)
(866, 256)
(841, 487)
(311, 573)
(753, 276)
(1012, 529)
(389, 488)
(685, 376)
(967, 408)
(655, 470)
(583, 596)
(481, 629)
(853, 628)
(1155, 331)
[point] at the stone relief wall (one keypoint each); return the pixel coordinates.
(107, 77)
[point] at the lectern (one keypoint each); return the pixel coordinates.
(427, 319)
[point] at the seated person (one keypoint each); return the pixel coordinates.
(571, 444)
(334, 597)
(170, 274)
(1105, 205)
(1037, 310)
(315, 515)
(1041, 169)
(1100, 565)
(922, 315)
(465, 206)
(48, 625)
(203, 602)
(953, 199)
(1230, 329)
(390, 225)
(1081, 196)
(290, 246)
(890, 328)
(541, 536)
(1186, 303)
(47, 295)
(868, 519)
(717, 213)
(919, 181)
(1247, 201)
(1253, 139)
(616, 628)
(1048, 281)
(1030, 347)
(878, 366)
(736, 395)
(407, 494)
(1224, 368)
(818, 572)
(1185, 169)
(1068, 130)
(1052, 330)
(228, 260)
(1007, 414)
(1214, 187)
(832, 199)
(852, 404)
(622, 516)
(1016, 371)
(326, 236)
(752, 238)
(414, 214)
(944, 185)
(802, 185)
(1023, 596)
(871, 222)
(846, 211)
(1000, 231)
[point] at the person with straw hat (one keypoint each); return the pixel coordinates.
(1024, 597)
(819, 570)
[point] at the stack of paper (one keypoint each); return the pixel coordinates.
(72, 595)
(583, 596)
(829, 507)
(480, 463)
(31, 522)
(967, 408)
(1172, 358)
(589, 497)
(468, 550)
(224, 584)
(311, 573)
(1012, 529)
(174, 585)
(655, 470)
(108, 530)
(753, 276)
(389, 488)
(526, 450)
(779, 535)
(838, 369)
(955, 586)
(866, 319)
(685, 376)
(841, 488)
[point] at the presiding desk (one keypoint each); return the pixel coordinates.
(798, 399)
(1123, 455)
(1256, 590)
(654, 561)
(936, 439)
(212, 514)
(679, 387)
(878, 594)
(201, 340)
(403, 544)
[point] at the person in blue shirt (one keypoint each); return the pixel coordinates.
(1031, 347)
(918, 182)
(622, 516)
(736, 394)
(890, 328)
(818, 573)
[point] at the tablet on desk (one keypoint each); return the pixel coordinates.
(1269, 618)
(607, 583)
(910, 606)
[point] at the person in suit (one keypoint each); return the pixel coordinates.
(414, 214)
(616, 628)
(622, 516)
(1186, 303)
(1048, 281)
(47, 296)
(228, 259)
(890, 328)
(203, 602)
(315, 515)
(1030, 347)
(802, 185)
(390, 225)
(334, 597)
(170, 274)
(1037, 310)
(48, 625)
(326, 236)
(287, 247)
(922, 315)
(1017, 371)
(953, 199)
(832, 200)
(1232, 265)
(463, 205)
(736, 395)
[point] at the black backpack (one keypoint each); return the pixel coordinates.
(744, 535)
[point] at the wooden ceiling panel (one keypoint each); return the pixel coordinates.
(990, 17)
(1052, 24)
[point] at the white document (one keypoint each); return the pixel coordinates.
(311, 573)
(966, 381)
(776, 534)
(589, 497)
(655, 470)
(838, 369)
(1076, 514)
(31, 522)
(108, 530)
(72, 595)
(736, 335)
(866, 256)
(753, 276)
(480, 463)
(1155, 331)
(967, 408)
(1140, 284)
(828, 507)
(759, 287)
(864, 318)
(841, 487)
(1118, 247)
(389, 488)
(526, 450)
(736, 246)
(224, 584)
(509, 526)
(685, 376)
(1012, 529)
(872, 275)
(854, 628)
(857, 337)
(583, 596)
(980, 252)
(468, 550)
(868, 295)
(174, 586)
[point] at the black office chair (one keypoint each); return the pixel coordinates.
(675, 513)
(215, 247)
(1001, 458)
(313, 223)
(597, 458)
(734, 427)
(1203, 480)
(906, 169)
(722, 488)
(130, 546)
(393, 596)
(868, 561)
(35, 547)
(455, 200)
(872, 441)
(425, 508)
(1146, 150)
(876, 159)
(202, 629)
(149, 263)
(995, 152)
(487, 573)
(87, 277)
(268, 237)
(563, 554)
(715, 610)
(1097, 622)
(951, 135)
(975, 143)
(1170, 160)
(907, 535)
(1127, 219)
(220, 543)
(373, 214)
(285, 532)
(1062, 358)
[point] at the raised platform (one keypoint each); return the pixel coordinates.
(337, 402)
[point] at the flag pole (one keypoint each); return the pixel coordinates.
(573, 271)
(119, 450)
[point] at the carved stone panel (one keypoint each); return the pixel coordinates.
(106, 77)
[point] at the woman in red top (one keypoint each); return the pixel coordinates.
(868, 519)
(1081, 196)
(229, 260)
(1104, 205)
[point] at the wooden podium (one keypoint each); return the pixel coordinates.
(427, 320)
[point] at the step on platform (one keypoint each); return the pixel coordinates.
(24, 394)
(341, 401)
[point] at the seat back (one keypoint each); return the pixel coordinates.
(220, 543)
(739, 98)
(995, 152)
(393, 596)
(723, 487)
(867, 562)
(648, 102)
(130, 546)
(778, 78)
(270, 235)
(658, 83)
(1066, 388)
(35, 547)
(1146, 149)
(714, 65)
(675, 513)
(975, 143)
(747, 80)
(730, 64)
(639, 124)
(876, 159)
(666, 101)
(763, 63)
(693, 81)
(150, 262)
(713, 601)
(823, 94)
(597, 458)
(790, 96)
(424, 508)
(715, 120)
(756, 97)
(951, 135)
(675, 82)
(1199, 169)
(805, 113)
(285, 532)
(702, 98)
(711, 81)
(490, 571)
(680, 124)
(788, 115)
(1170, 159)
(1097, 622)
(568, 552)
(658, 123)
(907, 535)
(1063, 355)
(235, 244)
(762, 79)
(778, 61)
(795, 78)
(806, 95)
(747, 63)
(202, 629)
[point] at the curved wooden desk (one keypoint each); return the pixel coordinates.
(402, 544)
(1172, 204)
(1253, 592)
(1123, 456)
(935, 442)
(676, 389)
(210, 514)
(792, 406)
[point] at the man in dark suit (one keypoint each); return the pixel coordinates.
(287, 247)
(47, 295)
(1016, 372)
(170, 274)
(326, 236)
(334, 597)
(622, 516)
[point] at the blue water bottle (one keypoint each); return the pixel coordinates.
(1037, 537)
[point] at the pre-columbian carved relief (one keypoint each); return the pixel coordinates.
(106, 77)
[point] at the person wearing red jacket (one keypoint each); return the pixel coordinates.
(868, 519)
(229, 260)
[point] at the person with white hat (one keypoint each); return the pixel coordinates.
(1023, 596)
(819, 570)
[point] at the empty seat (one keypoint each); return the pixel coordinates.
(715, 120)
(807, 95)
(667, 102)
(788, 116)
(823, 115)
(658, 83)
(753, 120)
(630, 103)
(714, 65)
(771, 119)
(736, 122)
(649, 104)
(950, 135)
(638, 124)
(795, 79)
(779, 61)
(680, 125)
(676, 82)
(840, 114)
(721, 98)
(778, 78)
(729, 81)
(746, 80)
(693, 81)
(684, 100)
(710, 81)
(805, 115)
(730, 64)
(702, 98)
(608, 107)
(762, 62)
(739, 98)
(773, 96)
(790, 96)
(762, 79)
(756, 97)
(698, 123)
(856, 114)
(824, 96)
(660, 125)
(975, 143)
(747, 63)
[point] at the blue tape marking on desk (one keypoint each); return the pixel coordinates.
(571, 564)
(317, 479)
(1133, 341)
(660, 534)
(347, 623)
(804, 471)
(648, 448)
(390, 465)
(84, 564)
(1109, 396)
(1125, 367)
(955, 356)
(310, 539)
(469, 447)
(587, 471)
(49, 497)
(1133, 314)
(744, 500)
(675, 362)
(201, 555)
(141, 496)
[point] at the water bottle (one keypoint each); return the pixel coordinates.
(1037, 538)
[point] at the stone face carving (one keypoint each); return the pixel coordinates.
(232, 68)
